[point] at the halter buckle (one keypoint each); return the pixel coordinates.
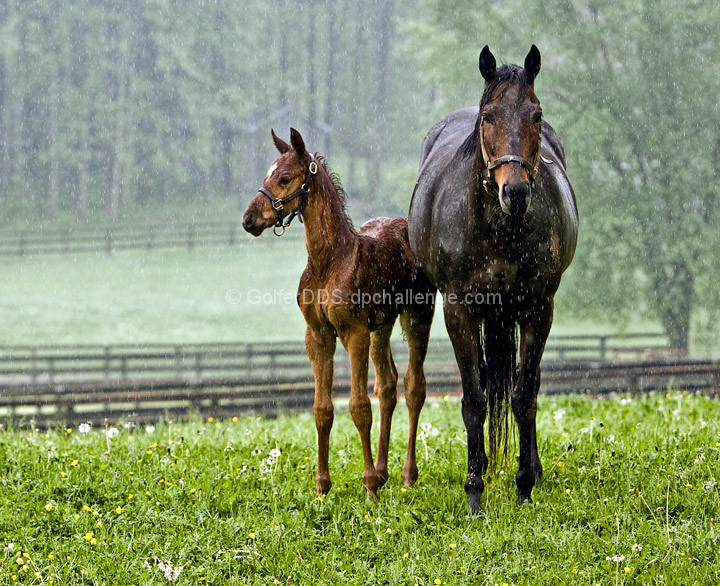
(278, 205)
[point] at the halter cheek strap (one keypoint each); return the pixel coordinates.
(279, 203)
(490, 165)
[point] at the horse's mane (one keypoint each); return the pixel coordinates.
(337, 186)
(504, 74)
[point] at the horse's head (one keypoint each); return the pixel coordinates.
(285, 189)
(509, 130)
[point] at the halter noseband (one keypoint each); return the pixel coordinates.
(490, 165)
(302, 193)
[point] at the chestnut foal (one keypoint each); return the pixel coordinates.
(354, 287)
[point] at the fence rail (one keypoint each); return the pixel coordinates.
(117, 238)
(68, 384)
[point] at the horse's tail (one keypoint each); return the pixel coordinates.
(501, 356)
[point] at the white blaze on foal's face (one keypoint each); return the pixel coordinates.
(271, 170)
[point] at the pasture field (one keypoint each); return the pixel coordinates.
(629, 496)
(208, 294)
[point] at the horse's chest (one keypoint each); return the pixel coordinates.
(494, 275)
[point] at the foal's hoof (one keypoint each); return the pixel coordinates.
(409, 474)
(372, 482)
(383, 475)
(322, 484)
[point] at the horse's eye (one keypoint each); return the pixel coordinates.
(284, 180)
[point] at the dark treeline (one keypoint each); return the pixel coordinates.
(107, 104)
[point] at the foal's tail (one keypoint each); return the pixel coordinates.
(501, 360)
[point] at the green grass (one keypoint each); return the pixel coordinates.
(175, 296)
(630, 478)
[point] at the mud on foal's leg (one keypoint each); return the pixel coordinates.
(320, 346)
(386, 378)
(356, 339)
(417, 331)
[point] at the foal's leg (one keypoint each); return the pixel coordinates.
(320, 346)
(417, 331)
(464, 331)
(356, 339)
(534, 331)
(386, 391)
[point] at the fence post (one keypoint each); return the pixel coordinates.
(33, 364)
(233, 235)
(178, 360)
(603, 348)
(107, 362)
(108, 241)
(21, 244)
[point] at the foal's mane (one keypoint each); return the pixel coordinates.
(505, 74)
(337, 187)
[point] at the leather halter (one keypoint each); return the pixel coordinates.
(302, 193)
(490, 165)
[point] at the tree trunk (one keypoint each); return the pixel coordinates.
(383, 55)
(674, 289)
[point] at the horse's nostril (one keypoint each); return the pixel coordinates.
(248, 222)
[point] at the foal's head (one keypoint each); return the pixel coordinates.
(285, 189)
(509, 130)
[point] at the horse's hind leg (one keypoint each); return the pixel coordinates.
(416, 326)
(320, 346)
(386, 391)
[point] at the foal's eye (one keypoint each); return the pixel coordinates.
(284, 180)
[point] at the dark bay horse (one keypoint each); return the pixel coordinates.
(493, 224)
(354, 287)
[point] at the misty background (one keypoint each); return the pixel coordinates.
(128, 111)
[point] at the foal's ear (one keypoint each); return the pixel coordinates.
(532, 64)
(297, 142)
(280, 144)
(487, 64)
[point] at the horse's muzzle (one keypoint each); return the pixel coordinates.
(515, 198)
(250, 225)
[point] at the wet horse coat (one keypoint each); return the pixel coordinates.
(354, 287)
(493, 217)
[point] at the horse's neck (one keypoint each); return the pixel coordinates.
(329, 236)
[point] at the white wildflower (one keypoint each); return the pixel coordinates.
(112, 432)
(559, 414)
(84, 428)
(149, 428)
(637, 547)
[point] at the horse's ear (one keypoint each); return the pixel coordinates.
(297, 142)
(280, 144)
(488, 66)
(532, 64)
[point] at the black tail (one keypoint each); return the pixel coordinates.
(501, 358)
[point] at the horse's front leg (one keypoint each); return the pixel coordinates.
(464, 331)
(320, 346)
(356, 339)
(534, 330)
(386, 378)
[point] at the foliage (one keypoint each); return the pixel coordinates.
(630, 496)
(115, 104)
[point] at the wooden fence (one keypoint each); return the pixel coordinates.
(54, 385)
(117, 238)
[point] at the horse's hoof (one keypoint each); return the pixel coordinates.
(522, 499)
(383, 475)
(372, 482)
(474, 487)
(322, 485)
(409, 475)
